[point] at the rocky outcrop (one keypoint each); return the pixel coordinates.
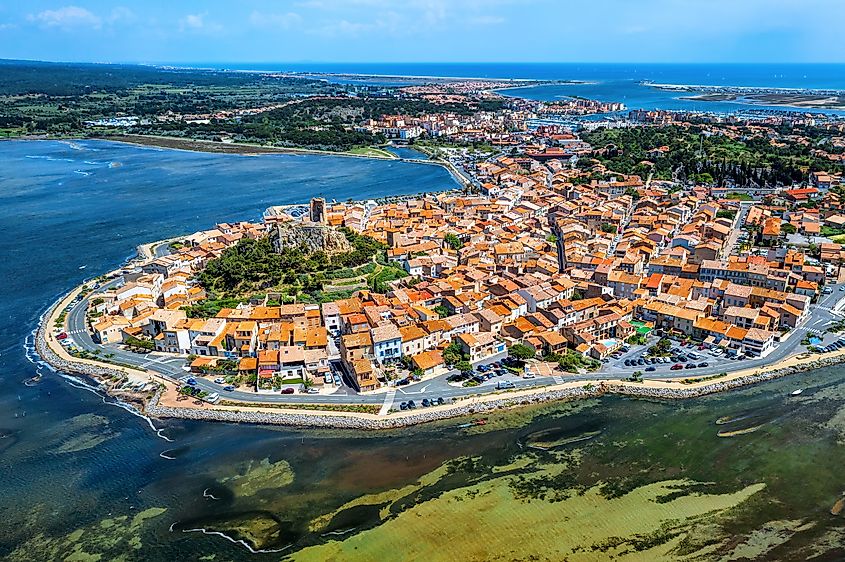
(312, 237)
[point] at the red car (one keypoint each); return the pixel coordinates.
(287, 390)
(62, 336)
(677, 366)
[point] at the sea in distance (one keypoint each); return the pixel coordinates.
(752, 474)
(603, 82)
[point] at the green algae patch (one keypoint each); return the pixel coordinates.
(760, 542)
(525, 414)
(382, 499)
(81, 433)
(110, 539)
(255, 476)
(486, 521)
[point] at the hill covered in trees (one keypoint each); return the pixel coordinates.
(695, 155)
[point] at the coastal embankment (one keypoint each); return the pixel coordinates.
(164, 402)
(163, 406)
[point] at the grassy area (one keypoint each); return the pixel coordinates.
(372, 151)
(356, 408)
(739, 196)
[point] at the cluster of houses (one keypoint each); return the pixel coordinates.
(567, 261)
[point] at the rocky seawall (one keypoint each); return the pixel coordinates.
(104, 374)
(99, 372)
(340, 421)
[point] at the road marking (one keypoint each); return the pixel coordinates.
(558, 379)
(388, 402)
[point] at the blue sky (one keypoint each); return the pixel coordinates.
(423, 30)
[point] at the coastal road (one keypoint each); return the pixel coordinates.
(172, 367)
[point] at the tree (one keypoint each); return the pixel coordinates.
(607, 227)
(521, 352)
(661, 347)
(453, 241)
(441, 311)
(464, 367)
(137, 343)
(788, 229)
(636, 339)
(453, 353)
(633, 193)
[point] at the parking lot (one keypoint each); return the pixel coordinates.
(680, 357)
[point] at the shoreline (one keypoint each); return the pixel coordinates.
(214, 147)
(243, 149)
(161, 403)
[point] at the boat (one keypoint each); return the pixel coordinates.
(796, 392)
(82, 266)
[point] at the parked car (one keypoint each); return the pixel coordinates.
(411, 404)
(229, 388)
(705, 364)
(690, 366)
(440, 401)
(528, 375)
(62, 336)
(191, 381)
(287, 390)
(627, 362)
(426, 402)
(505, 384)
(219, 380)
(651, 368)
(403, 406)
(676, 367)
(313, 391)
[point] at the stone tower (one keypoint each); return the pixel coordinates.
(318, 210)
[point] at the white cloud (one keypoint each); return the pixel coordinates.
(66, 18)
(284, 21)
(198, 22)
(122, 14)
